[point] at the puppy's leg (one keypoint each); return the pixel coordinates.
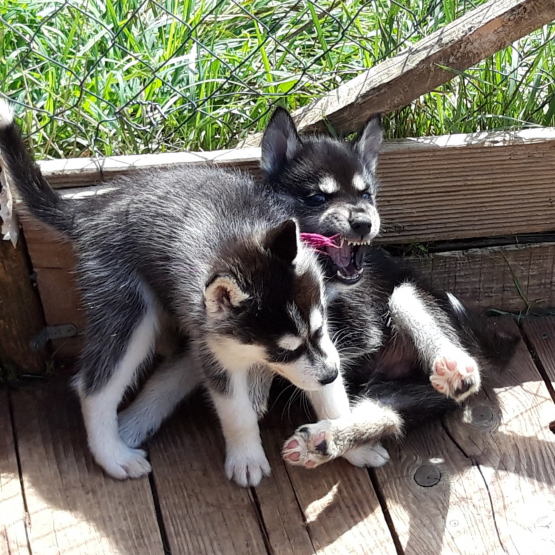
(453, 371)
(354, 437)
(332, 408)
(246, 461)
(120, 337)
(167, 387)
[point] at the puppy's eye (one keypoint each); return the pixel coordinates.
(366, 196)
(315, 200)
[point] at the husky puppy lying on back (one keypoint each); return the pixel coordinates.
(219, 255)
(403, 347)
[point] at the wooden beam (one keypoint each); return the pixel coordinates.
(432, 61)
(21, 316)
(441, 188)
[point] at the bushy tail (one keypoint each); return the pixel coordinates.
(493, 347)
(41, 200)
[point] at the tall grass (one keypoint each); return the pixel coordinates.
(135, 76)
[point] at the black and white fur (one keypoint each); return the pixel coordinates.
(396, 337)
(408, 352)
(214, 253)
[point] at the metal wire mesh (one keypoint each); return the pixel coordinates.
(105, 77)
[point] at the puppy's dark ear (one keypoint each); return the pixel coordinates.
(280, 142)
(221, 295)
(368, 143)
(282, 241)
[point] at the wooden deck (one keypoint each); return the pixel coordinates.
(482, 482)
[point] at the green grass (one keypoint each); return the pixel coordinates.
(111, 77)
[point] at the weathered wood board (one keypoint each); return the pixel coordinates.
(13, 533)
(203, 512)
(72, 506)
(509, 440)
(540, 332)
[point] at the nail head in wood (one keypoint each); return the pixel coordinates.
(482, 415)
(427, 475)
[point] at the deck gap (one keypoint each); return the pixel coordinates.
(19, 470)
(305, 523)
(385, 510)
(492, 507)
(261, 522)
(537, 362)
(159, 516)
(456, 443)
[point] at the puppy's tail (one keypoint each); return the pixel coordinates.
(41, 200)
(494, 348)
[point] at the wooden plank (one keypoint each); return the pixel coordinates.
(436, 497)
(443, 188)
(285, 523)
(73, 507)
(339, 506)
(21, 317)
(515, 452)
(432, 61)
(485, 278)
(203, 512)
(13, 535)
(540, 331)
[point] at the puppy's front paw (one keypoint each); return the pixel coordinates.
(247, 465)
(310, 446)
(455, 374)
(122, 462)
(367, 455)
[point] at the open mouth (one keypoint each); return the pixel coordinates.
(345, 261)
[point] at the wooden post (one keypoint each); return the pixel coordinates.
(432, 61)
(21, 315)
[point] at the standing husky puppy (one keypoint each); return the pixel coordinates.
(393, 333)
(222, 258)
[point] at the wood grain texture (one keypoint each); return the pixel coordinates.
(485, 278)
(451, 517)
(21, 316)
(203, 512)
(338, 501)
(285, 524)
(515, 452)
(540, 331)
(13, 535)
(73, 507)
(432, 61)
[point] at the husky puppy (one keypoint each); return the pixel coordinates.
(222, 258)
(408, 352)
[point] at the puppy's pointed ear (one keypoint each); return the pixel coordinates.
(222, 294)
(282, 241)
(368, 143)
(280, 142)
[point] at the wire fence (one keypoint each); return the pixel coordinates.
(106, 77)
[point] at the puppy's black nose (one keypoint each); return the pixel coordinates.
(329, 378)
(361, 226)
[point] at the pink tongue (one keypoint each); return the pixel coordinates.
(341, 256)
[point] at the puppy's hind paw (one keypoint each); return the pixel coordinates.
(123, 462)
(456, 375)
